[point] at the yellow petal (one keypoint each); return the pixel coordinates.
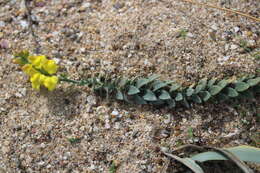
(36, 81)
(51, 82)
(37, 61)
(29, 70)
(50, 66)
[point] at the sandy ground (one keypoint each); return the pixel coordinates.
(71, 130)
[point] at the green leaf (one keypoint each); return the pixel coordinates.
(253, 82)
(187, 162)
(112, 168)
(211, 82)
(133, 90)
(164, 95)
(119, 95)
(159, 85)
(214, 89)
(185, 103)
(23, 54)
(231, 92)
(198, 88)
(171, 103)
(149, 96)
(139, 100)
(141, 82)
(174, 87)
(222, 97)
(189, 92)
(201, 85)
(153, 77)
(179, 97)
(244, 153)
(196, 99)
(241, 86)
(223, 83)
(205, 95)
(242, 79)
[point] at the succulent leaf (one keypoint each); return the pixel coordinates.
(164, 95)
(211, 82)
(119, 95)
(196, 98)
(189, 92)
(215, 89)
(141, 82)
(241, 86)
(253, 82)
(179, 97)
(223, 83)
(159, 85)
(231, 92)
(153, 77)
(139, 100)
(149, 96)
(171, 103)
(174, 87)
(205, 95)
(222, 97)
(133, 90)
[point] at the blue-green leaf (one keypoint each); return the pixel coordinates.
(231, 92)
(244, 153)
(241, 86)
(141, 82)
(149, 96)
(119, 95)
(158, 85)
(196, 99)
(205, 95)
(189, 92)
(174, 87)
(253, 82)
(179, 97)
(164, 95)
(171, 103)
(215, 89)
(139, 100)
(211, 82)
(133, 90)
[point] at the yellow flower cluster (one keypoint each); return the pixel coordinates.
(40, 70)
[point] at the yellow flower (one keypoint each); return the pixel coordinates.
(37, 79)
(37, 61)
(29, 70)
(50, 82)
(50, 66)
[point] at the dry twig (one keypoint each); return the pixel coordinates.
(223, 9)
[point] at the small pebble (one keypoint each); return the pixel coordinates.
(24, 24)
(236, 29)
(115, 113)
(190, 35)
(168, 118)
(233, 47)
(2, 24)
(4, 44)
(214, 27)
